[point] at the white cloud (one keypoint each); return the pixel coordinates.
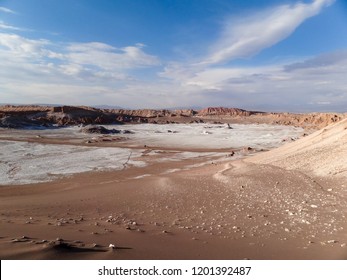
(6, 10)
(38, 70)
(77, 60)
(248, 36)
(18, 46)
(108, 57)
(243, 38)
(5, 26)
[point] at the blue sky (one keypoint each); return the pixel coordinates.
(282, 55)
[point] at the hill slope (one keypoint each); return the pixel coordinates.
(322, 153)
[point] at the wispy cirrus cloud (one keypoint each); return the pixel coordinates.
(7, 10)
(5, 26)
(247, 36)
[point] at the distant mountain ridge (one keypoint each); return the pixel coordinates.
(14, 116)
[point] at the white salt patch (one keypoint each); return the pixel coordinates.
(213, 136)
(173, 170)
(25, 163)
(179, 156)
(142, 176)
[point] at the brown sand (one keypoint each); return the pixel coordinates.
(275, 205)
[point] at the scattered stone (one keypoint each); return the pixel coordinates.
(112, 246)
(313, 206)
(231, 154)
(332, 241)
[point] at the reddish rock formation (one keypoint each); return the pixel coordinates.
(25, 116)
(224, 111)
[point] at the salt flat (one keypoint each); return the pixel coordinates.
(212, 136)
(25, 163)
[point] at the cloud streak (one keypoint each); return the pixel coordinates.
(5, 26)
(248, 36)
(6, 10)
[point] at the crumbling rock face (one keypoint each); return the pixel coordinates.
(59, 115)
(18, 122)
(316, 120)
(145, 113)
(224, 111)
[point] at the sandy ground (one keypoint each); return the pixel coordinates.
(255, 208)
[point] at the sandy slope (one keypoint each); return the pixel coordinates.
(322, 153)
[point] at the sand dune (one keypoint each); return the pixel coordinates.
(322, 153)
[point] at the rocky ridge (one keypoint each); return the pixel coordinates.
(45, 116)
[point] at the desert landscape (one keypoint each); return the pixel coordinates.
(215, 183)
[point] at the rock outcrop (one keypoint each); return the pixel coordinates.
(225, 112)
(98, 129)
(24, 116)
